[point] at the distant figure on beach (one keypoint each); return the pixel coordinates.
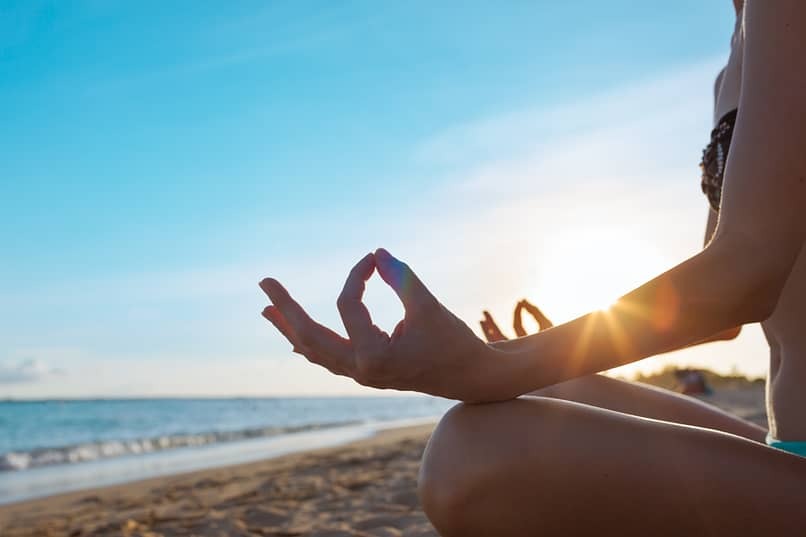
(692, 382)
(578, 456)
(492, 333)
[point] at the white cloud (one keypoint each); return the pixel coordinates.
(670, 99)
(26, 371)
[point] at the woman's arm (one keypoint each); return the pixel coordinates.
(724, 335)
(738, 277)
(730, 333)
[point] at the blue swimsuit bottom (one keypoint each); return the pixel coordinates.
(798, 448)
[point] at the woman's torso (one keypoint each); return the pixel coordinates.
(785, 328)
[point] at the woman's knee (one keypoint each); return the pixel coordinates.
(462, 461)
(446, 477)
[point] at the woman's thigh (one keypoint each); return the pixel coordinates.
(651, 402)
(541, 466)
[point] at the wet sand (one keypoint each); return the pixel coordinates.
(367, 488)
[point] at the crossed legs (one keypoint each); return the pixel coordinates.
(651, 402)
(542, 465)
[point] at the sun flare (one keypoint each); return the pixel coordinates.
(588, 269)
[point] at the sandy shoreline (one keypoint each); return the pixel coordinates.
(366, 488)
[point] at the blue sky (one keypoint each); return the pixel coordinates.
(159, 158)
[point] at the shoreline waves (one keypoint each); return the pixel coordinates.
(47, 456)
(50, 447)
(49, 480)
(366, 488)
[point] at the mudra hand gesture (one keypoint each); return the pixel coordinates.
(430, 350)
(493, 333)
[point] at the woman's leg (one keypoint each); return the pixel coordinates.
(650, 402)
(541, 466)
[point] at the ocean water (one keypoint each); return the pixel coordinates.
(53, 446)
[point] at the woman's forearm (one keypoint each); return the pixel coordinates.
(511, 345)
(726, 285)
(723, 335)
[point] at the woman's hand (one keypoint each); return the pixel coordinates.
(543, 322)
(494, 334)
(490, 329)
(430, 350)
(517, 320)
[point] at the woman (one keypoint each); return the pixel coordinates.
(584, 459)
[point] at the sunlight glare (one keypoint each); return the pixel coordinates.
(588, 268)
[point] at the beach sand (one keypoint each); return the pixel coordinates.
(367, 488)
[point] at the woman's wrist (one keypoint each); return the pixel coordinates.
(502, 372)
(509, 345)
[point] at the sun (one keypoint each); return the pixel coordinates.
(589, 268)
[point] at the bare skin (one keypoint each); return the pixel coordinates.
(632, 397)
(546, 466)
(490, 328)
(572, 469)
